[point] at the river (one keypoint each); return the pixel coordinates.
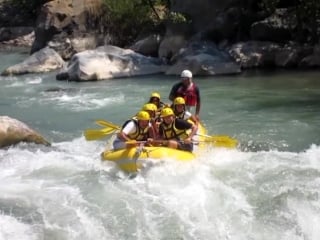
(268, 188)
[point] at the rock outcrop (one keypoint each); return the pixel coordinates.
(243, 35)
(44, 60)
(203, 58)
(76, 18)
(261, 54)
(12, 132)
(109, 62)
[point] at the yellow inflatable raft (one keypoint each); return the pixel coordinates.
(130, 159)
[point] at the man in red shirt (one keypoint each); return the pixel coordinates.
(187, 89)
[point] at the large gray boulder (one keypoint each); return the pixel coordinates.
(254, 54)
(203, 58)
(148, 46)
(108, 62)
(45, 60)
(312, 60)
(12, 131)
(76, 18)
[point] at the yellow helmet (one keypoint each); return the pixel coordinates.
(179, 101)
(149, 107)
(155, 94)
(143, 115)
(166, 112)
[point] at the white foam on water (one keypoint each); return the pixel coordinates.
(223, 194)
(13, 229)
(33, 80)
(80, 102)
(47, 183)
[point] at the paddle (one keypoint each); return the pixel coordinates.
(95, 134)
(104, 123)
(216, 140)
(134, 142)
(220, 140)
(143, 142)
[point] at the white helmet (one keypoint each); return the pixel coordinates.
(186, 74)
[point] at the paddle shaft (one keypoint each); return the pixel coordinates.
(222, 140)
(208, 136)
(104, 123)
(217, 137)
(158, 141)
(111, 125)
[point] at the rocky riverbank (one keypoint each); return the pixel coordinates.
(227, 40)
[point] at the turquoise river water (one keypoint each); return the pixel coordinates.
(268, 188)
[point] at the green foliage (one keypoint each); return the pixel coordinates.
(176, 17)
(126, 19)
(121, 9)
(308, 20)
(307, 15)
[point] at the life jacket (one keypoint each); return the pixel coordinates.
(179, 115)
(140, 134)
(171, 132)
(189, 94)
(182, 116)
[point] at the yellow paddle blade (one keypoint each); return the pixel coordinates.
(104, 123)
(95, 134)
(224, 141)
(220, 140)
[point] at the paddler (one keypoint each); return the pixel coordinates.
(175, 132)
(137, 128)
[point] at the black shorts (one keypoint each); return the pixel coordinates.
(185, 146)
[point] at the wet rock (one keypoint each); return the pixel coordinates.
(70, 19)
(44, 60)
(13, 131)
(148, 46)
(203, 58)
(109, 62)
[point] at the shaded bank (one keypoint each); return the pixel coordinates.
(235, 36)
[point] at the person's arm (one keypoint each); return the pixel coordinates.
(151, 135)
(155, 128)
(194, 130)
(152, 131)
(198, 106)
(173, 92)
(160, 141)
(195, 119)
(160, 133)
(184, 124)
